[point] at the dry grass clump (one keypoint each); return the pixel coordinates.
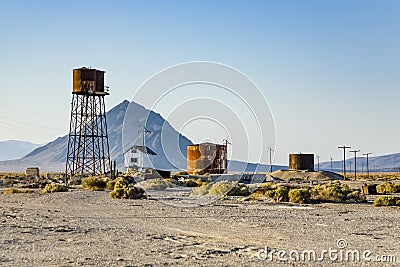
(192, 182)
(155, 184)
(388, 188)
(54, 187)
(275, 192)
(202, 190)
(262, 188)
(331, 192)
(13, 190)
(75, 181)
(336, 192)
(94, 183)
(279, 194)
(110, 184)
(12, 175)
(181, 173)
(222, 188)
(386, 201)
(9, 181)
(185, 182)
(299, 195)
(123, 190)
(377, 176)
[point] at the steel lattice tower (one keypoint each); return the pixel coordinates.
(88, 150)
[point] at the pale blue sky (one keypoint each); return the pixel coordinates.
(329, 69)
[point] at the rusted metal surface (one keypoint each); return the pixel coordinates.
(206, 158)
(32, 172)
(99, 81)
(369, 189)
(88, 81)
(301, 162)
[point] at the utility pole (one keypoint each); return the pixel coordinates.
(367, 154)
(331, 164)
(355, 163)
(344, 159)
(226, 142)
(270, 150)
(143, 130)
(318, 157)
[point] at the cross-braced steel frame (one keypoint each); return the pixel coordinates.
(88, 150)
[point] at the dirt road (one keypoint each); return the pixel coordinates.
(82, 228)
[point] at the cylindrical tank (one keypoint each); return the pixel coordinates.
(193, 158)
(301, 162)
(206, 158)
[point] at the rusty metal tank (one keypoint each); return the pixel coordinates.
(88, 81)
(206, 158)
(301, 162)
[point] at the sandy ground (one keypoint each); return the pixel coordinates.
(82, 228)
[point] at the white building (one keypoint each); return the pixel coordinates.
(136, 158)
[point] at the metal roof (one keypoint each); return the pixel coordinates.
(145, 150)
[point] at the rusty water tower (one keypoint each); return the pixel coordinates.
(88, 150)
(301, 162)
(207, 158)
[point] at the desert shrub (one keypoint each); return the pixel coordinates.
(13, 190)
(8, 182)
(388, 188)
(336, 192)
(281, 193)
(94, 183)
(181, 173)
(123, 190)
(228, 188)
(110, 185)
(173, 181)
(273, 191)
(53, 187)
(301, 195)
(202, 190)
(155, 184)
(355, 196)
(192, 182)
(75, 180)
(221, 188)
(295, 180)
(262, 188)
(387, 201)
(331, 192)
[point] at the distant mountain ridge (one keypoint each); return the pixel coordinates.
(384, 163)
(169, 144)
(123, 123)
(14, 149)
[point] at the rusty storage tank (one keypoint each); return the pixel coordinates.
(88, 81)
(206, 158)
(301, 162)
